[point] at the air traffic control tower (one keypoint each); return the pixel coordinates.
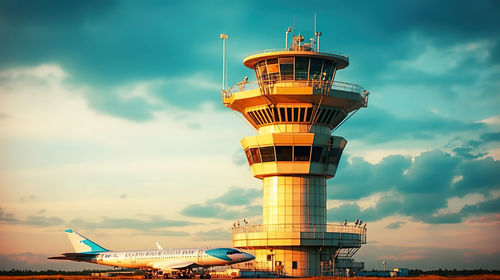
(295, 105)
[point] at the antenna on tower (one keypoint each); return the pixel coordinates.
(316, 34)
(224, 37)
(314, 23)
(286, 37)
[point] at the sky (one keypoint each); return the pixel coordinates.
(111, 123)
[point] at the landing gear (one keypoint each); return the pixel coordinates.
(205, 276)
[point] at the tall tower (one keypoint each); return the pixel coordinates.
(295, 105)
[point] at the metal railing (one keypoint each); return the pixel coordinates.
(334, 228)
(291, 50)
(335, 85)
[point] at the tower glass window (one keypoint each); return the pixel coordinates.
(316, 153)
(284, 153)
(273, 69)
(249, 156)
(262, 68)
(255, 155)
(327, 70)
(267, 154)
(286, 68)
(301, 67)
(315, 69)
(301, 153)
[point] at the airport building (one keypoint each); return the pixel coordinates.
(295, 105)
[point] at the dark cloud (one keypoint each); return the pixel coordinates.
(426, 257)
(360, 178)
(471, 149)
(376, 125)
(490, 137)
(154, 223)
(135, 108)
(7, 218)
(110, 44)
(42, 221)
(233, 204)
(237, 196)
(417, 189)
(395, 225)
(239, 158)
(36, 220)
(215, 234)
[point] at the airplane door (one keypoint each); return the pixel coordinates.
(133, 257)
(200, 255)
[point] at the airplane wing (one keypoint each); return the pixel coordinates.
(170, 265)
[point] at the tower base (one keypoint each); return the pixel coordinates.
(302, 253)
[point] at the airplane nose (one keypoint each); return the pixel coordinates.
(248, 257)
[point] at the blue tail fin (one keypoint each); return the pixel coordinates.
(83, 244)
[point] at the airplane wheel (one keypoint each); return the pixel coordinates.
(208, 276)
(202, 276)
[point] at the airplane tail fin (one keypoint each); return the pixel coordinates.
(83, 244)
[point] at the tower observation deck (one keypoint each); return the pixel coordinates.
(295, 104)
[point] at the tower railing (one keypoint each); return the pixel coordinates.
(335, 228)
(335, 85)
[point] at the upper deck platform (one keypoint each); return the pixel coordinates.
(257, 236)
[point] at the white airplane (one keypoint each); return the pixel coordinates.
(167, 262)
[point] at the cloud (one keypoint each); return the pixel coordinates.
(7, 217)
(395, 225)
(214, 234)
(35, 220)
(153, 223)
(439, 61)
(419, 189)
(42, 221)
(237, 196)
(233, 204)
(239, 158)
(426, 258)
(377, 125)
(471, 149)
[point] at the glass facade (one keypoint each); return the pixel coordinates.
(320, 154)
(295, 68)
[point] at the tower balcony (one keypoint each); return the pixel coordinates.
(255, 93)
(335, 235)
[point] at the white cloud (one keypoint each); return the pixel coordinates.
(438, 61)
(77, 162)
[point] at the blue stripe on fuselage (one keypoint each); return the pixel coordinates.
(220, 253)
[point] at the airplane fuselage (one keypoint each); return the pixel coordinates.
(143, 259)
(151, 260)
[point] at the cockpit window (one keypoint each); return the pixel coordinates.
(232, 252)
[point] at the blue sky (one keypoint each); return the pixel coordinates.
(111, 123)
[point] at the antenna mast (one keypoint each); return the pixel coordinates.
(224, 37)
(316, 34)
